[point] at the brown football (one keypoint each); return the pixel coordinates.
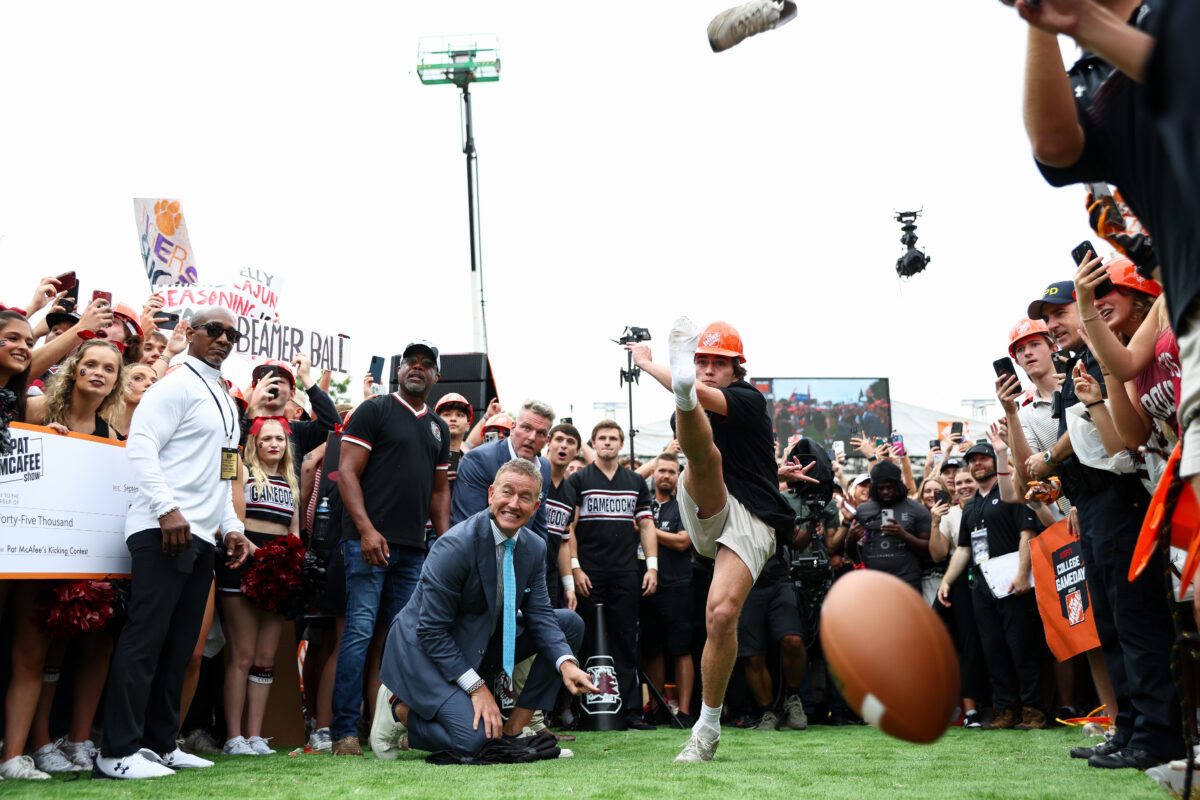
(890, 655)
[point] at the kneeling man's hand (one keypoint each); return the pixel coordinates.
(576, 680)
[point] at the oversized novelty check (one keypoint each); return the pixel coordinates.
(63, 501)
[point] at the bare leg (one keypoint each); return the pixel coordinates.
(518, 719)
(89, 684)
(192, 677)
(39, 731)
(759, 680)
(28, 661)
(685, 680)
(1104, 687)
(730, 585)
(794, 660)
(241, 626)
(270, 626)
(655, 667)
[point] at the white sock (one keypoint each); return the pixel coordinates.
(709, 718)
(681, 350)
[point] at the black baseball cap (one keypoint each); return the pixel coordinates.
(59, 317)
(1058, 293)
(428, 347)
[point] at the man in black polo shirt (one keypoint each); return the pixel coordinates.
(666, 615)
(612, 514)
(1009, 627)
(565, 441)
(392, 477)
(897, 527)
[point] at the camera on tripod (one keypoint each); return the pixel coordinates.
(634, 335)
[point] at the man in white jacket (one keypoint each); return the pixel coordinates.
(183, 448)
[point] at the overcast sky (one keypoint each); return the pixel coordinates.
(628, 175)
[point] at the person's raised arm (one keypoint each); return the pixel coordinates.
(1051, 123)
(710, 399)
(1094, 28)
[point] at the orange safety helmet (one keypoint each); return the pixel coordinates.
(1025, 328)
(454, 399)
(1123, 272)
(129, 316)
(721, 339)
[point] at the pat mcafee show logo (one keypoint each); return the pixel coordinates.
(23, 462)
(1070, 581)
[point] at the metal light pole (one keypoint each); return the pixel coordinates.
(463, 60)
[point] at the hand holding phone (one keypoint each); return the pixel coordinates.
(65, 281)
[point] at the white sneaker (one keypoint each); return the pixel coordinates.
(48, 758)
(259, 745)
(319, 742)
(698, 748)
(731, 27)
(238, 746)
(134, 767)
(178, 759)
(22, 768)
(386, 732)
(82, 754)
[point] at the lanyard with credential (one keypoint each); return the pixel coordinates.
(229, 460)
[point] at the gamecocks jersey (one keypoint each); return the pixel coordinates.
(606, 531)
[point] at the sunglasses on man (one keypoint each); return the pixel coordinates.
(215, 329)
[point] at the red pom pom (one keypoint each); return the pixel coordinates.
(76, 608)
(272, 578)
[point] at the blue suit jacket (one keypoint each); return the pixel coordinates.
(477, 470)
(445, 628)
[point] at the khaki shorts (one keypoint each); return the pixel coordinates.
(733, 526)
(1189, 366)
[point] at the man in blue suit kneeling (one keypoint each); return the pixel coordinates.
(462, 619)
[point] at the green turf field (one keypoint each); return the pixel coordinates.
(821, 762)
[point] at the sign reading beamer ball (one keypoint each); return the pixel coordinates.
(63, 501)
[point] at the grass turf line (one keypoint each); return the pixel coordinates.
(821, 762)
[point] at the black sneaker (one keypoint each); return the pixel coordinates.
(971, 720)
(1126, 758)
(685, 719)
(1105, 748)
(637, 723)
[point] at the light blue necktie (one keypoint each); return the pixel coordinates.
(510, 607)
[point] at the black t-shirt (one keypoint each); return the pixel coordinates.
(606, 534)
(406, 450)
(674, 566)
(745, 439)
(1003, 521)
(1122, 147)
(888, 553)
(560, 510)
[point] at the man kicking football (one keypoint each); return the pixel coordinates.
(729, 497)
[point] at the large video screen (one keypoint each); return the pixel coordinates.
(827, 409)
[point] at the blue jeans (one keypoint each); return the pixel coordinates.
(369, 591)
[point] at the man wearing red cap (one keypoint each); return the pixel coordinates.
(729, 497)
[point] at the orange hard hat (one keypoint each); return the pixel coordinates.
(499, 422)
(721, 339)
(129, 316)
(1123, 272)
(1025, 328)
(454, 399)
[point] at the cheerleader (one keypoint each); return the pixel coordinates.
(269, 478)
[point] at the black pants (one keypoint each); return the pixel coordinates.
(959, 619)
(1008, 630)
(166, 611)
(620, 593)
(1141, 623)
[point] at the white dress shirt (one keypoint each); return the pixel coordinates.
(174, 446)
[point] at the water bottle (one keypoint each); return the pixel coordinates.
(322, 540)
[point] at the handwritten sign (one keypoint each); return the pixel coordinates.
(49, 532)
(244, 298)
(264, 341)
(166, 250)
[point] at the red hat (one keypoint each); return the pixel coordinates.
(282, 367)
(454, 399)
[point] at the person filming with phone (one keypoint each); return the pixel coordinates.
(895, 527)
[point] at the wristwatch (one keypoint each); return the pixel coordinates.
(1046, 458)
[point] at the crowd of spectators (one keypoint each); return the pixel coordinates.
(225, 473)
